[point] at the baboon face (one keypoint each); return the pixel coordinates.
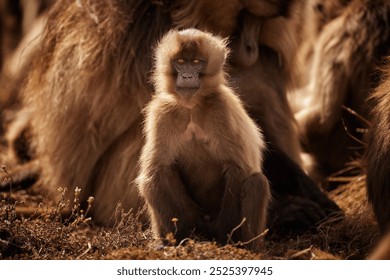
(187, 61)
(188, 66)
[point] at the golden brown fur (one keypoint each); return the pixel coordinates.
(90, 81)
(345, 58)
(17, 18)
(378, 153)
(1, 43)
(22, 22)
(268, 106)
(104, 151)
(262, 86)
(16, 66)
(318, 13)
(206, 144)
(382, 250)
(219, 17)
(10, 27)
(315, 15)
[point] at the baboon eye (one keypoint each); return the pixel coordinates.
(180, 61)
(196, 61)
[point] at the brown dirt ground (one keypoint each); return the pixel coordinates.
(47, 235)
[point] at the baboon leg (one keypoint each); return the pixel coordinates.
(298, 203)
(254, 198)
(171, 200)
(244, 202)
(229, 214)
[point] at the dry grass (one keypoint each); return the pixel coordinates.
(48, 235)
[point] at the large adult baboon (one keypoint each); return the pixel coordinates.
(90, 81)
(378, 153)
(344, 69)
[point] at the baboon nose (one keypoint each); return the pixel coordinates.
(188, 76)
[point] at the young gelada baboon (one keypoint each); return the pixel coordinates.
(202, 159)
(378, 153)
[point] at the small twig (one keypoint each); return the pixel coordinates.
(357, 115)
(240, 243)
(350, 135)
(90, 200)
(330, 220)
(234, 229)
(28, 211)
(183, 241)
(175, 220)
(342, 171)
(303, 252)
(85, 252)
(345, 179)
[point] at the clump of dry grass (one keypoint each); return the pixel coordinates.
(191, 250)
(47, 234)
(350, 236)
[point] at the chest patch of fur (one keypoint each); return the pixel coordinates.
(193, 132)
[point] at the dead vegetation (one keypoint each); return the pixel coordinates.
(46, 234)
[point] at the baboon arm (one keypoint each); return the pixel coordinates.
(329, 94)
(329, 80)
(229, 215)
(330, 88)
(170, 200)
